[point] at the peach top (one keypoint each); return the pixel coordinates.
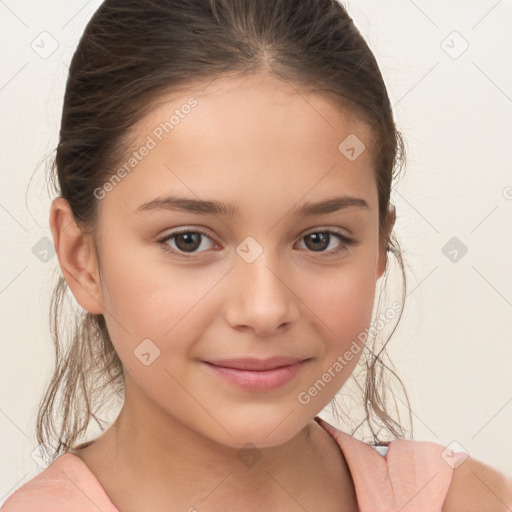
(405, 476)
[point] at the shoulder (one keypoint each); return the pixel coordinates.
(66, 484)
(43, 490)
(475, 486)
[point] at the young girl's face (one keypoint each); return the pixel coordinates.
(262, 282)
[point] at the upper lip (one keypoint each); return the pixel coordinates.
(257, 364)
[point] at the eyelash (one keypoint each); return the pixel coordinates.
(346, 241)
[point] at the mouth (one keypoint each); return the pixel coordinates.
(260, 375)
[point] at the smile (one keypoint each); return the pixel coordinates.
(260, 380)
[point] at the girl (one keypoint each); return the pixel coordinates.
(224, 172)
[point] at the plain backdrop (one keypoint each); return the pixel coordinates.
(448, 69)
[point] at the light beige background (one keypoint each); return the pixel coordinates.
(453, 348)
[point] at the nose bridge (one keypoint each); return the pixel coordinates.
(262, 299)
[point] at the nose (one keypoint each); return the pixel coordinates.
(261, 298)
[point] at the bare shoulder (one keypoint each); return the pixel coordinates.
(475, 487)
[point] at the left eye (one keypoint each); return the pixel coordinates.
(323, 238)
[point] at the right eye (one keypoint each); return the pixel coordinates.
(186, 241)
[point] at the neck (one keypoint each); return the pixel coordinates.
(152, 450)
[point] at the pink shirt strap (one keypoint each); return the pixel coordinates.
(411, 477)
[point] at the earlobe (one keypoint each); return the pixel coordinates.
(77, 257)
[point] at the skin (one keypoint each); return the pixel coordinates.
(260, 143)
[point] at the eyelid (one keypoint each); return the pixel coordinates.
(332, 229)
(180, 231)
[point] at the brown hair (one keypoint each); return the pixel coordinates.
(130, 53)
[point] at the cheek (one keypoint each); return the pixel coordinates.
(343, 302)
(151, 300)
(343, 309)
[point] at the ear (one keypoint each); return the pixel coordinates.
(77, 257)
(383, 253)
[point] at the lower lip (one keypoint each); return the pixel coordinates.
(258, 380)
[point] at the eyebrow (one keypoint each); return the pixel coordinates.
(213, 207)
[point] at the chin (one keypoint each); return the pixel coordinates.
(263, 430)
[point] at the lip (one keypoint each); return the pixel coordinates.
(249, 363)
(261, 375)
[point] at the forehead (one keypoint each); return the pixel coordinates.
(250, 136)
